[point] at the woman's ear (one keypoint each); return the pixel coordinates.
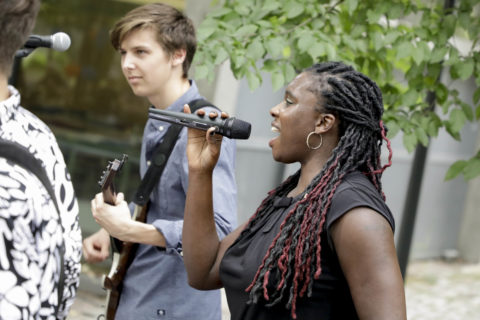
(325, 122)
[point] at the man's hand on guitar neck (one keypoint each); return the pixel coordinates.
(117, 221)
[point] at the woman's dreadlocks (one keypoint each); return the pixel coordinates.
(295, 251)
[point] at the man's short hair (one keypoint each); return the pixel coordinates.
(173, 29)
(17, 18)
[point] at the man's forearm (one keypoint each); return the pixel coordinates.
(145, 233)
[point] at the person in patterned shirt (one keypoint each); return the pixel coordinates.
(32, 231)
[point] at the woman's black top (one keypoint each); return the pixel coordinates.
(331, 297)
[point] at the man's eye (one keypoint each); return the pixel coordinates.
(288, 102)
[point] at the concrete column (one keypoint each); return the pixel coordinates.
(469, 237)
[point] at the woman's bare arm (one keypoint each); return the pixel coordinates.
(365, 246)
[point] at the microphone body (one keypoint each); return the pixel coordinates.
(231, 127)
(59, 41)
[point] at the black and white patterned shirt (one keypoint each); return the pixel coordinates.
(29, 230)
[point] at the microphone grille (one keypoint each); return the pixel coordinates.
(61, 41)
(240, 129)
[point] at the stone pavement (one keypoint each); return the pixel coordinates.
(435, 289)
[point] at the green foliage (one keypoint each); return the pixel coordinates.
(405, 45)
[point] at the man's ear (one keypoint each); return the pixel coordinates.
(179, 56)
(325, 122)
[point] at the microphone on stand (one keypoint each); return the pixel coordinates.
(231, 127)
(59, 41)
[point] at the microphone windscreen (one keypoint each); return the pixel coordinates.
(60, 41)
(240, 129)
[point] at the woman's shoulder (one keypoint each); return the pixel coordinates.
(356, 190)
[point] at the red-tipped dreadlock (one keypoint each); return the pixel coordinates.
(295, 251)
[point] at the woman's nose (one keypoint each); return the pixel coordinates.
(274, 110)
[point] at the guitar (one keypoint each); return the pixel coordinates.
(123, 252)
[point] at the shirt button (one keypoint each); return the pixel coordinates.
(160, 128)
(149, 163)
(161, 312)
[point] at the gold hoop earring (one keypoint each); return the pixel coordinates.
(308, 141)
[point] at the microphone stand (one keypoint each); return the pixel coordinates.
(21, 53)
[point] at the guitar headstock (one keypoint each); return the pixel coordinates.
(106, 181)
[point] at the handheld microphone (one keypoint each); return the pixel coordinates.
(59, 41)
(231, 127)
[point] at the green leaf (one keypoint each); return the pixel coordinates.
(421, 136)
(289, 72)
(305, 42)
(331, 52)
(205, 32)
(391, 36)
(457, 120)
(255, 50)
(275, 46)
(238, 60)
(410, 141)
(455, 169)
(441, 93)
(287, 52)
(377, 40)
(418, 54)
(246, 30)
(293, 9)
(477, 113)
(410, 97)
(393, 129)
(220, 12)
(270, 5)
(476, 96)
(404, 50)
(278, 80)
(253, 80)
(438, 54)
(221, 56)
(467, 110)
(351, 6)
(449, 24)
(269, 65)
(465, 68)
(373, 16)
(472, 169)
(316, 49)
(201, 72)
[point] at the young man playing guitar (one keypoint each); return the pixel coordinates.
(157, 44)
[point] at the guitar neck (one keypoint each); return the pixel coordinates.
(109, 194)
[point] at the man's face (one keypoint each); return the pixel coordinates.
(145, 64)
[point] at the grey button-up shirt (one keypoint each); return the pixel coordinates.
(156, 285)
